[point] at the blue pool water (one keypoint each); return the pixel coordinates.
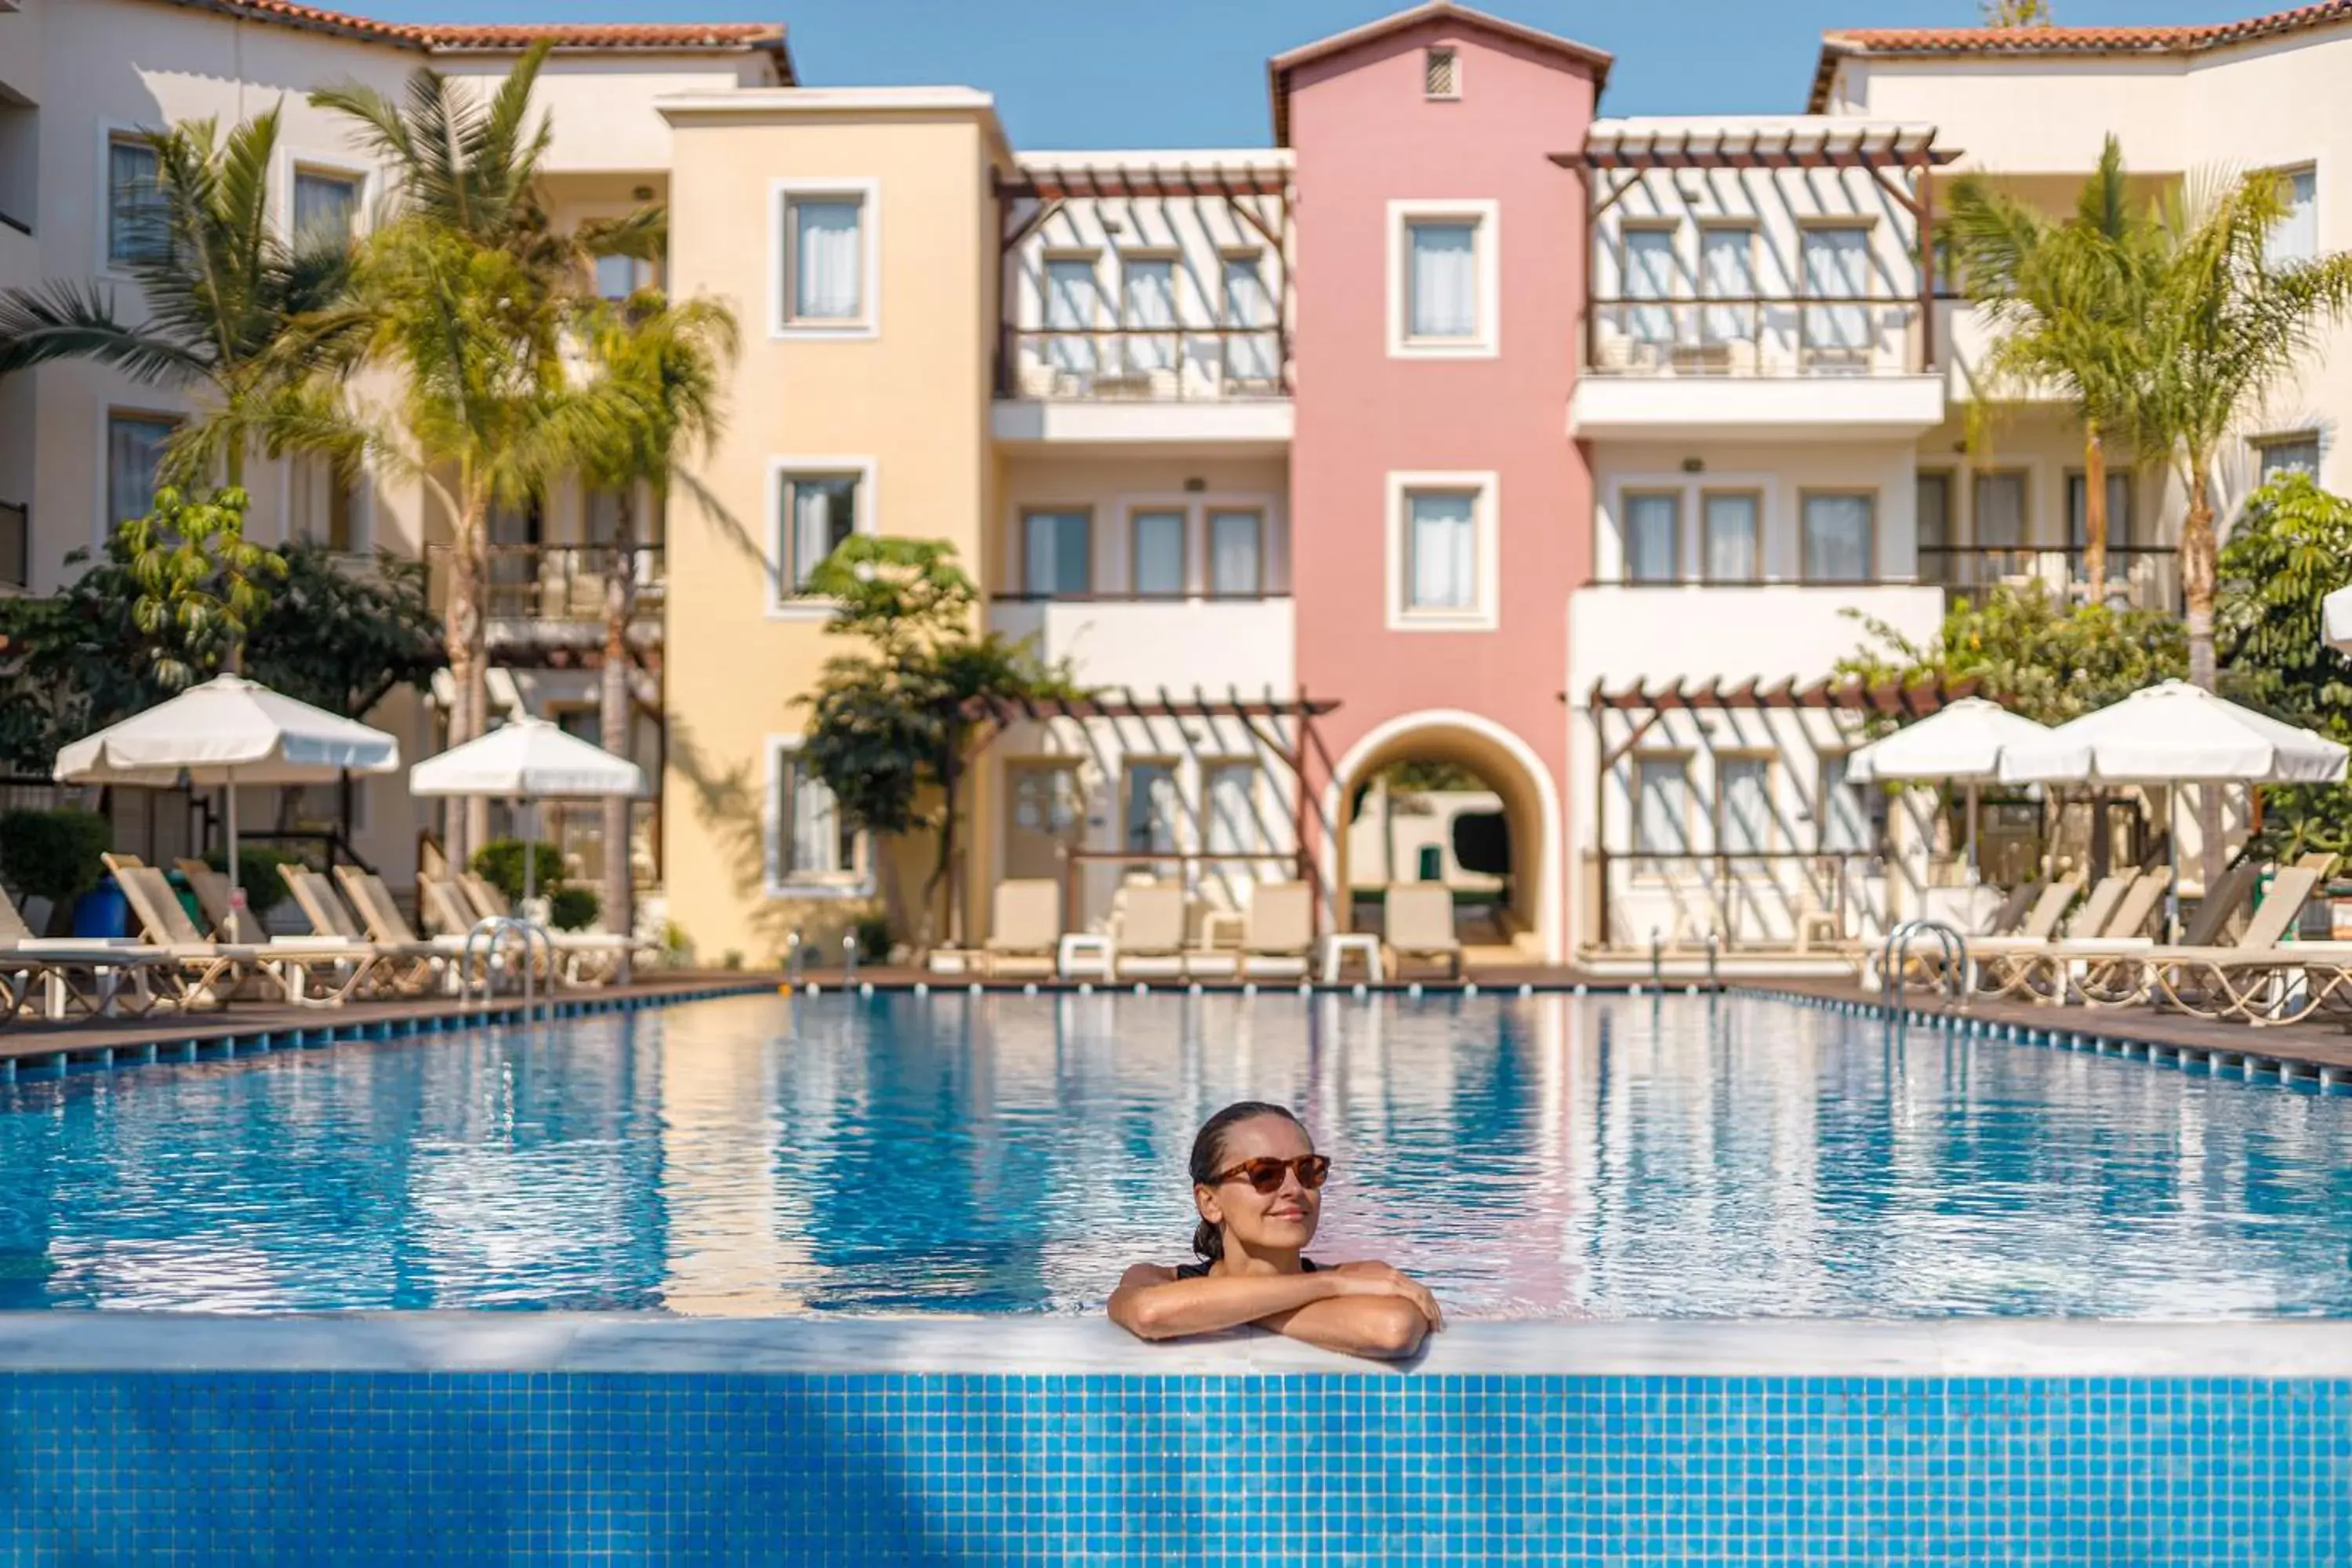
(1546, 1157)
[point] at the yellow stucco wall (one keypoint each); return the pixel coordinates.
(910, 399)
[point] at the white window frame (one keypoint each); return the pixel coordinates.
(1485, 615)
(1485, 216)
(1775, 525)
(783, 605)
(851, 884)
(2287, 173)
(781, 324)
(295, 161)
(110, 131)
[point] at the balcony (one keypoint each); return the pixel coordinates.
(2141, 576)
(1810, 368)
(1145, 644)
(1205, 385)
(1661, 632)
(543, 598)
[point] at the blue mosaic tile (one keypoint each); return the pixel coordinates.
(440, 1468)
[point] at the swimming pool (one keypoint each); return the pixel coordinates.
(1539, 1157)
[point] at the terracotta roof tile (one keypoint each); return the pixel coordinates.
(434, 37)
(2192, 39)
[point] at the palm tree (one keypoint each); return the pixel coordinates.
(2065, 298)
(222, 288)
(667, 358)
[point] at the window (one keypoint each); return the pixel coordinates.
(1654, 544)
(1442, 278)
(1932, 517)
(134, 457)
(619, 277)
(1230, 790)
(810, 846)
(1440, 73)
(1072, 313)
(1056, 553)
(1650, 270)
(606, 517)
(1837, 532)
(1441, 550)
(816, 512)
(2119, 510)
(1743, 804)
(323, 505)
(2288, 454)
(1844, 823)
(826, 273)
(1998, 503)
(1442, 303)
(1151, 808)
(326, 206)
(1250, 355)
(1148, 300)
(1837, 268)
(1661, 805)
(2296, 236)
(1730, 522)
(1727, 270)
(136, 229)
(1236, 547)
(1159, 546)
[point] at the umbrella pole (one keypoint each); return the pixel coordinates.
(529, 854)
(235, 887)
(1974, 874)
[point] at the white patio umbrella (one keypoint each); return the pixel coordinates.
(228, 732)
(2174, 733)
(2337, 628)
(1962, 742)
(529, 760)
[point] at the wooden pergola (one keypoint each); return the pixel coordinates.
(1900, 159)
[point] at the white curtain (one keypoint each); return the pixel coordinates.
(1661, 805)
(1444, 550)
(1233, 566)
(1152, 806)
(1250, 356)
(814, 844)
(1837, 532)
(2296, 236)
(1233, 822)
(134, 454)
(2001, 511)
(134, 223)
(1445, 280)
(1650, 275)
(1845, 822)
(827, 261)
(1653, 538)
(1727, 270)
(1150, 301)
(1160, 552)
(823, 513)
(1837, 265)
(1054, 553)
(1073, 312)
(1731, 539)
(1743, 791)
(325, 207)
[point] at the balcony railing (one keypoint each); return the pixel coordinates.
(1143, 364)
(16, 545)
(2145, 576)
(558, 583)
(1755, 336)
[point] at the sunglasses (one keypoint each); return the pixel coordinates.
(1264, 1172)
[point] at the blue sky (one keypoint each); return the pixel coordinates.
(1180, 73)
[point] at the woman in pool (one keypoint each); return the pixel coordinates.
(1258, 1184)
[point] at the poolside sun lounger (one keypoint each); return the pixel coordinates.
(2106, 970)
(1027, 927)
(1149, 937)
(455, 905)
(2263, 978)
(1278, 931)
(2050, 970)
(59, 978)
(1418, 923)
(1998, 964)
(313, 972)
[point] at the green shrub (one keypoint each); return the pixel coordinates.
(500, 861)
(54, 855)
(874, 938)
(257, 873)
(573, 909)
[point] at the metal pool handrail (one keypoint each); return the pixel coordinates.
(490, 930)
(1953, 945)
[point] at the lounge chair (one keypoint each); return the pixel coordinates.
(57, 978)
(1026, 927)
(211, 888)
(312, 972)
(1148, 938)
(2010, 913)
(2107, 971)
(1417, 922)
(408, 962)
(1278, 933)
(2263, 978)
(2051, 971)
(1998, 963)
(451, 906)
(488, 902)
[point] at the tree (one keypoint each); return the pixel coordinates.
(2065, 299)
(222, 288)
(2290, 549)
(894, 723)
(200, 582)
(667, 358)
(2015, 13)
(2046, 659)
(343, 636)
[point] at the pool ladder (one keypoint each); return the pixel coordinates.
(1949, 941)
(489, 933)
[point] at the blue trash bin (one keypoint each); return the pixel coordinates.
(102, 911)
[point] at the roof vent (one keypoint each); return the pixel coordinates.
(1440, 73)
